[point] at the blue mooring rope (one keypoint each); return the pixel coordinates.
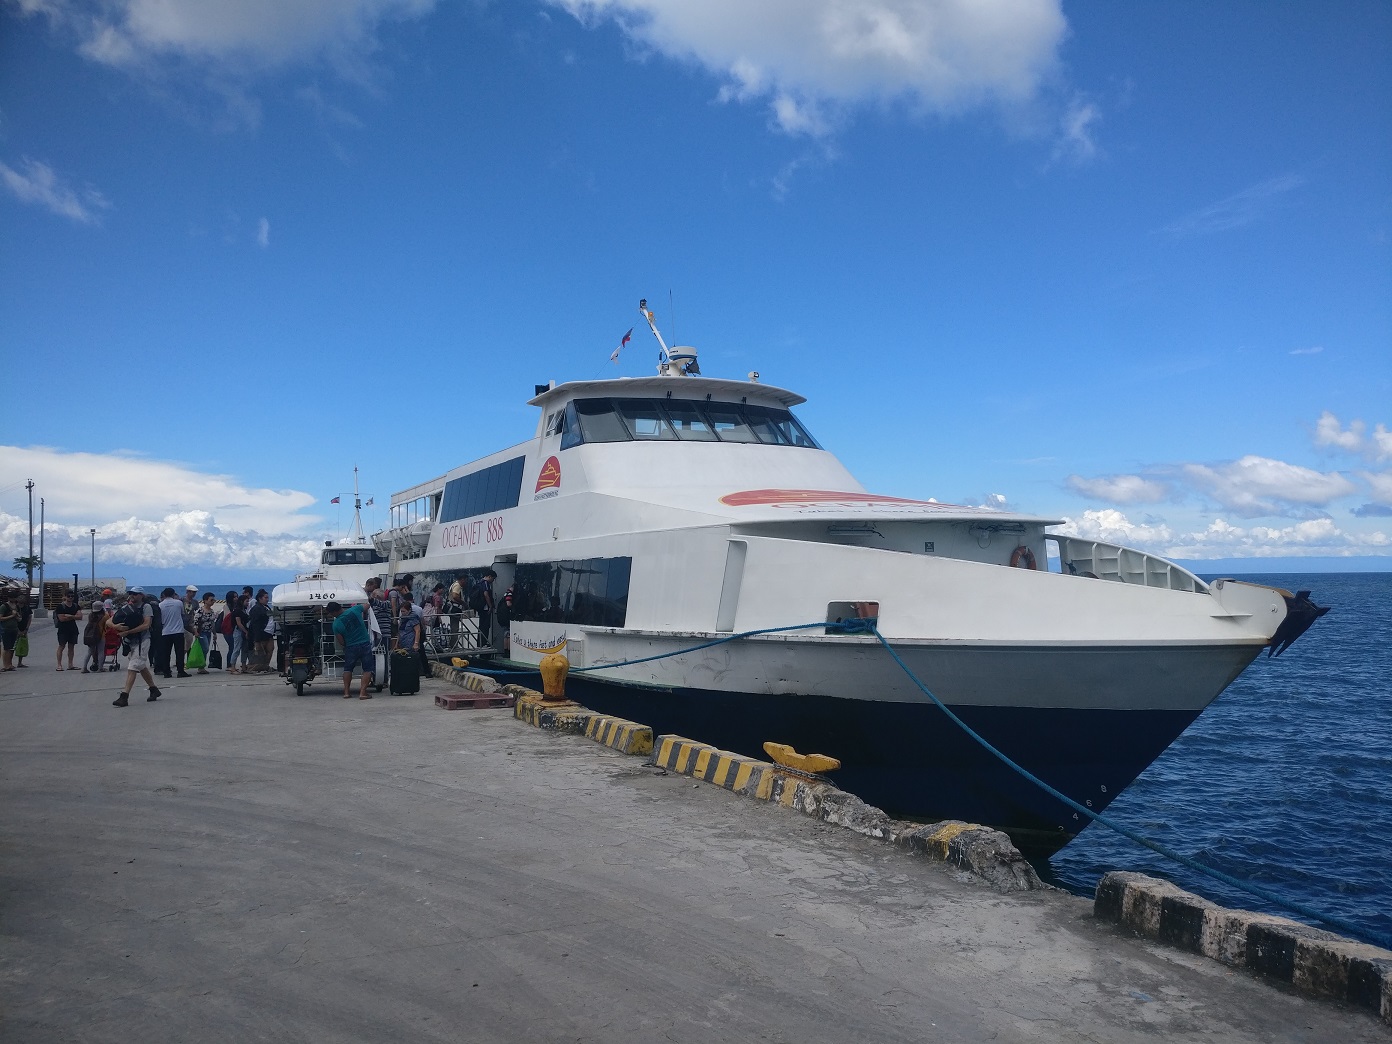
(868, 627)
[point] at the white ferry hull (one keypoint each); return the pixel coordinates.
(625, 539)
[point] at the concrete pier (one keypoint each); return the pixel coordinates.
(236, 863)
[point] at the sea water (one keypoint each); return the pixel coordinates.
(1284, 781)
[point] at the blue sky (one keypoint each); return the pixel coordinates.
(1128, 265)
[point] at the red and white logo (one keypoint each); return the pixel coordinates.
(549, 478)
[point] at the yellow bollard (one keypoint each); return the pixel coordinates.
(554, 668)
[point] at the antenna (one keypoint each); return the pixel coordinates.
(647, 315)
(672, 307)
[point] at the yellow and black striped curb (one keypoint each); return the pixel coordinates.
(556, 715)
(464, 679)
(1312, 961)
(627, 737)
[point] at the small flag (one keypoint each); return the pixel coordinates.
(334, 500)
(626, 338)
(369, 502)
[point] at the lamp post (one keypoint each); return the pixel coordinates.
(94, 559)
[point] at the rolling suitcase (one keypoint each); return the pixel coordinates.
(404, 673)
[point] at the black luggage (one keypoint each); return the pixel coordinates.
(214, 659)
(404, 673)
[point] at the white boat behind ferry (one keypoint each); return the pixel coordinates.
(648, 515)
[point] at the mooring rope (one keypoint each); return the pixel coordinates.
(868, 627)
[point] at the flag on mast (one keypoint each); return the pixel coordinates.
(626, 338)
(369, 502)
(334, 500)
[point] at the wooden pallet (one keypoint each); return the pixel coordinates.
(473, 700)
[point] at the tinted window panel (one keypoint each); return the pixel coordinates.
(592, 591)
(729, 422)
(645, 419)
(599, 421)
(688, 420)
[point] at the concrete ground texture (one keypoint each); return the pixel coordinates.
(236, 863)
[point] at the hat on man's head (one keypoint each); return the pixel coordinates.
(190, 587)
(98, 605)
(135, 590)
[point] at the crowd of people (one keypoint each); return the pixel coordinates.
(171, 635)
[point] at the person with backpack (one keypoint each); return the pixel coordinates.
(481, 602)
(134, 623)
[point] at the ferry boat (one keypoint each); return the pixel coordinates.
(650, 515)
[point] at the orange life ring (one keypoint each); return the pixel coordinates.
(1022, 554)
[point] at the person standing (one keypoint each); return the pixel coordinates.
(26, 616)
(203, 620)
(171, 632)
(351, 631)
(65, 619)
(9, 626)
(237, 636)
(94, 638)
(134, 623)
(259, 627)
(481, 602)
(408, 629)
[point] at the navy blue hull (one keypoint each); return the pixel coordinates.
(912, 761)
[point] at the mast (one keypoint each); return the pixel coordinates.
(355, 535)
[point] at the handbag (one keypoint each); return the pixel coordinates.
(215, 656)
(21, 648)
(195, 656)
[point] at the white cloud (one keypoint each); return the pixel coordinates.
(37, 183)
(1221, 539)
(263, 233)
(1120, 489)
(157, 512)
(1379, 485)
(1316, 536)
(125, 33)
(1241, 208)
(806, 55)
(1329, 432)
(1255, 486)
(1111, 526)
(1355, 438)
(1315, 350)
(1075, 141)
(184, 538)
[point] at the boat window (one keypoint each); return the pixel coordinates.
(570, 428)
(645, 419)
(599, 421)
(690, 424)
(789, 429)
(555, 423)
(490, 489)
(729, 422)
(592, 591)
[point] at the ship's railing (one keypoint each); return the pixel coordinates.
(453, 634)
(1104, 561)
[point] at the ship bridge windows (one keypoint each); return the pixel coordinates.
(351, 556)
(679, 420)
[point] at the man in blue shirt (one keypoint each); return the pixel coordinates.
(351, 630)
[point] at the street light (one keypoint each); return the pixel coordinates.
(94, 559)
